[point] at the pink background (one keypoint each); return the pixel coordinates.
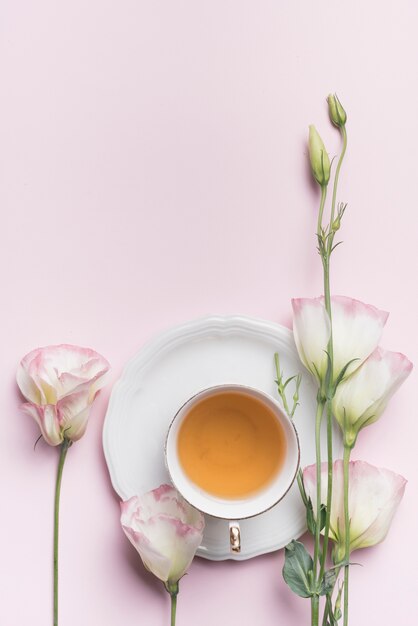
(153, 170)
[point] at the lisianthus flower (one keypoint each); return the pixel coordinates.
(373, 497)
(60, 384)
(356, 330)
(165, 530)
(361, 399)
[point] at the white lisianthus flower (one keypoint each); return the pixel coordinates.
(373, 497)
(60, 383)
(356, 330)
(361, 399)
(165, 530)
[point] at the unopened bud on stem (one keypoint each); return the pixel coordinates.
(336, 112)
(321, 167)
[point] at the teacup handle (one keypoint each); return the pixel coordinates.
(234, 537)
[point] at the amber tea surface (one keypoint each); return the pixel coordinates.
(231, 444)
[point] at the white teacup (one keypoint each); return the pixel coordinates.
(236, 508)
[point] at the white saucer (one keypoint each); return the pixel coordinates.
(173, 367)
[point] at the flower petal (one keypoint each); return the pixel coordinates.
(63, 368)
(165, 530)
(61, 382)
(356, 328)
(27, 385)
(373, 495)
(167, 501)
(309, 481)
(175, 540)
(47, 419)
(312, 330)
(73, 412)
(361, 399)
(154, 561)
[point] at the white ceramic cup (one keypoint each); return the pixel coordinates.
(234, 509)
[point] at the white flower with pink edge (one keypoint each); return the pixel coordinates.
(361, 399)
(60, 383)
(373, 497)
(356, 330)
(165, 530)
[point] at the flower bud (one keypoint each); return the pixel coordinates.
(336, 112)
(336, 224)
(319, 158)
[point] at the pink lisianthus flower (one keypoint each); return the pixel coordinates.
(165, 530)
(356, 330)
(373, 497)
(60, 384)
(361, 399)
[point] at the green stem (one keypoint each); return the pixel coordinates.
(327, 298)
(173, 590)
(64, 448)
(318, 420)
(329, 386)
(327, 611)
(329, 490)
(279, 384)
(321, 207)
(173, 608)
(330, 348)
(347, 452)
(337, 172)
(315, 610)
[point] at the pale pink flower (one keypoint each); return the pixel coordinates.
(373, 497)
(165, 530)
(60, 384)
(356, 329)
(361, 399)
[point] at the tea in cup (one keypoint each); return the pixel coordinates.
(232, 453)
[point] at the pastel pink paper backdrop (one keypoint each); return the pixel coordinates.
(153, 169)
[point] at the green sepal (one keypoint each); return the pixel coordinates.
(298, 569)
(172, 587)
(322, 516)
(310, 518)
(342, 373)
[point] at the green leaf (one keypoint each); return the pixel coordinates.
(297, 569)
